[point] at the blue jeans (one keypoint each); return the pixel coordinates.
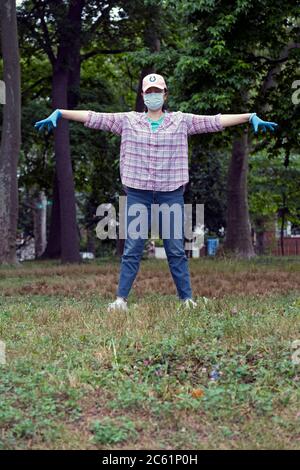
(173, 241)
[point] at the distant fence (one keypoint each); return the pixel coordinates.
(291, 245)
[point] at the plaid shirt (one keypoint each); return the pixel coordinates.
(158, 160)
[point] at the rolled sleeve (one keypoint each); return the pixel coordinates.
(112, 122)
(200, 124)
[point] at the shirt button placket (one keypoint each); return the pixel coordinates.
(152, 160)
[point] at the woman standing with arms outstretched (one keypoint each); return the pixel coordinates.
(154, 170)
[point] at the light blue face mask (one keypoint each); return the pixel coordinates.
(154, 101)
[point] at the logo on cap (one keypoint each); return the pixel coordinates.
(152, 78)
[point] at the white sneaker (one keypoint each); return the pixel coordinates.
(187, 304)
(190, 303)
(118, 304)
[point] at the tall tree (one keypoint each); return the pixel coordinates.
(11, 132)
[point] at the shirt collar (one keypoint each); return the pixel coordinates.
(143, 120)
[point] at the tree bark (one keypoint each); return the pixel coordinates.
(282, 212)
(282, 233)
(11, 133)
(68, 235)
(238, 233)
(39, 223)
(260, 235)
(53, 247)
(91, 241)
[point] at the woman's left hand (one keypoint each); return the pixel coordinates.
(257, 122)
(50, 121)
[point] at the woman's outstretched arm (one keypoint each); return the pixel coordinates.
(52, 120)
(227, 120)
(198, 124)
(80, 116)
(105, 121)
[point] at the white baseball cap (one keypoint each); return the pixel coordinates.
(153, 79)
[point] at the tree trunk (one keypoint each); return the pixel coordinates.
(264, 226)
(238, 233)
(69, 234)
(282, 211)
(91, 241)
(53, 248)
(152, 41)
(260, 241)
(40, 219)
(11, 133)
(63, 237)
(282, 234)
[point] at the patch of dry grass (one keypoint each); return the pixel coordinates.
(213, 280)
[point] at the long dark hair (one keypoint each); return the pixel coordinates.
(165, 106)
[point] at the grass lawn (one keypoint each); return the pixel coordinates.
(77, 377)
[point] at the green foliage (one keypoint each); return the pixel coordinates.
(108, 431)
(274, 186)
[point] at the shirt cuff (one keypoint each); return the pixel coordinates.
(218, 122)
(89, 118)
(251, 116)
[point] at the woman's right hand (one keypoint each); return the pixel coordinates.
(50, 121)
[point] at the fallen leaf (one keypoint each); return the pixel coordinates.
(197, 393)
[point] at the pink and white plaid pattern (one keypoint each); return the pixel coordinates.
(158, 160)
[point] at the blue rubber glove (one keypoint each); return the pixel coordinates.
(257, 122)
(50, 121)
